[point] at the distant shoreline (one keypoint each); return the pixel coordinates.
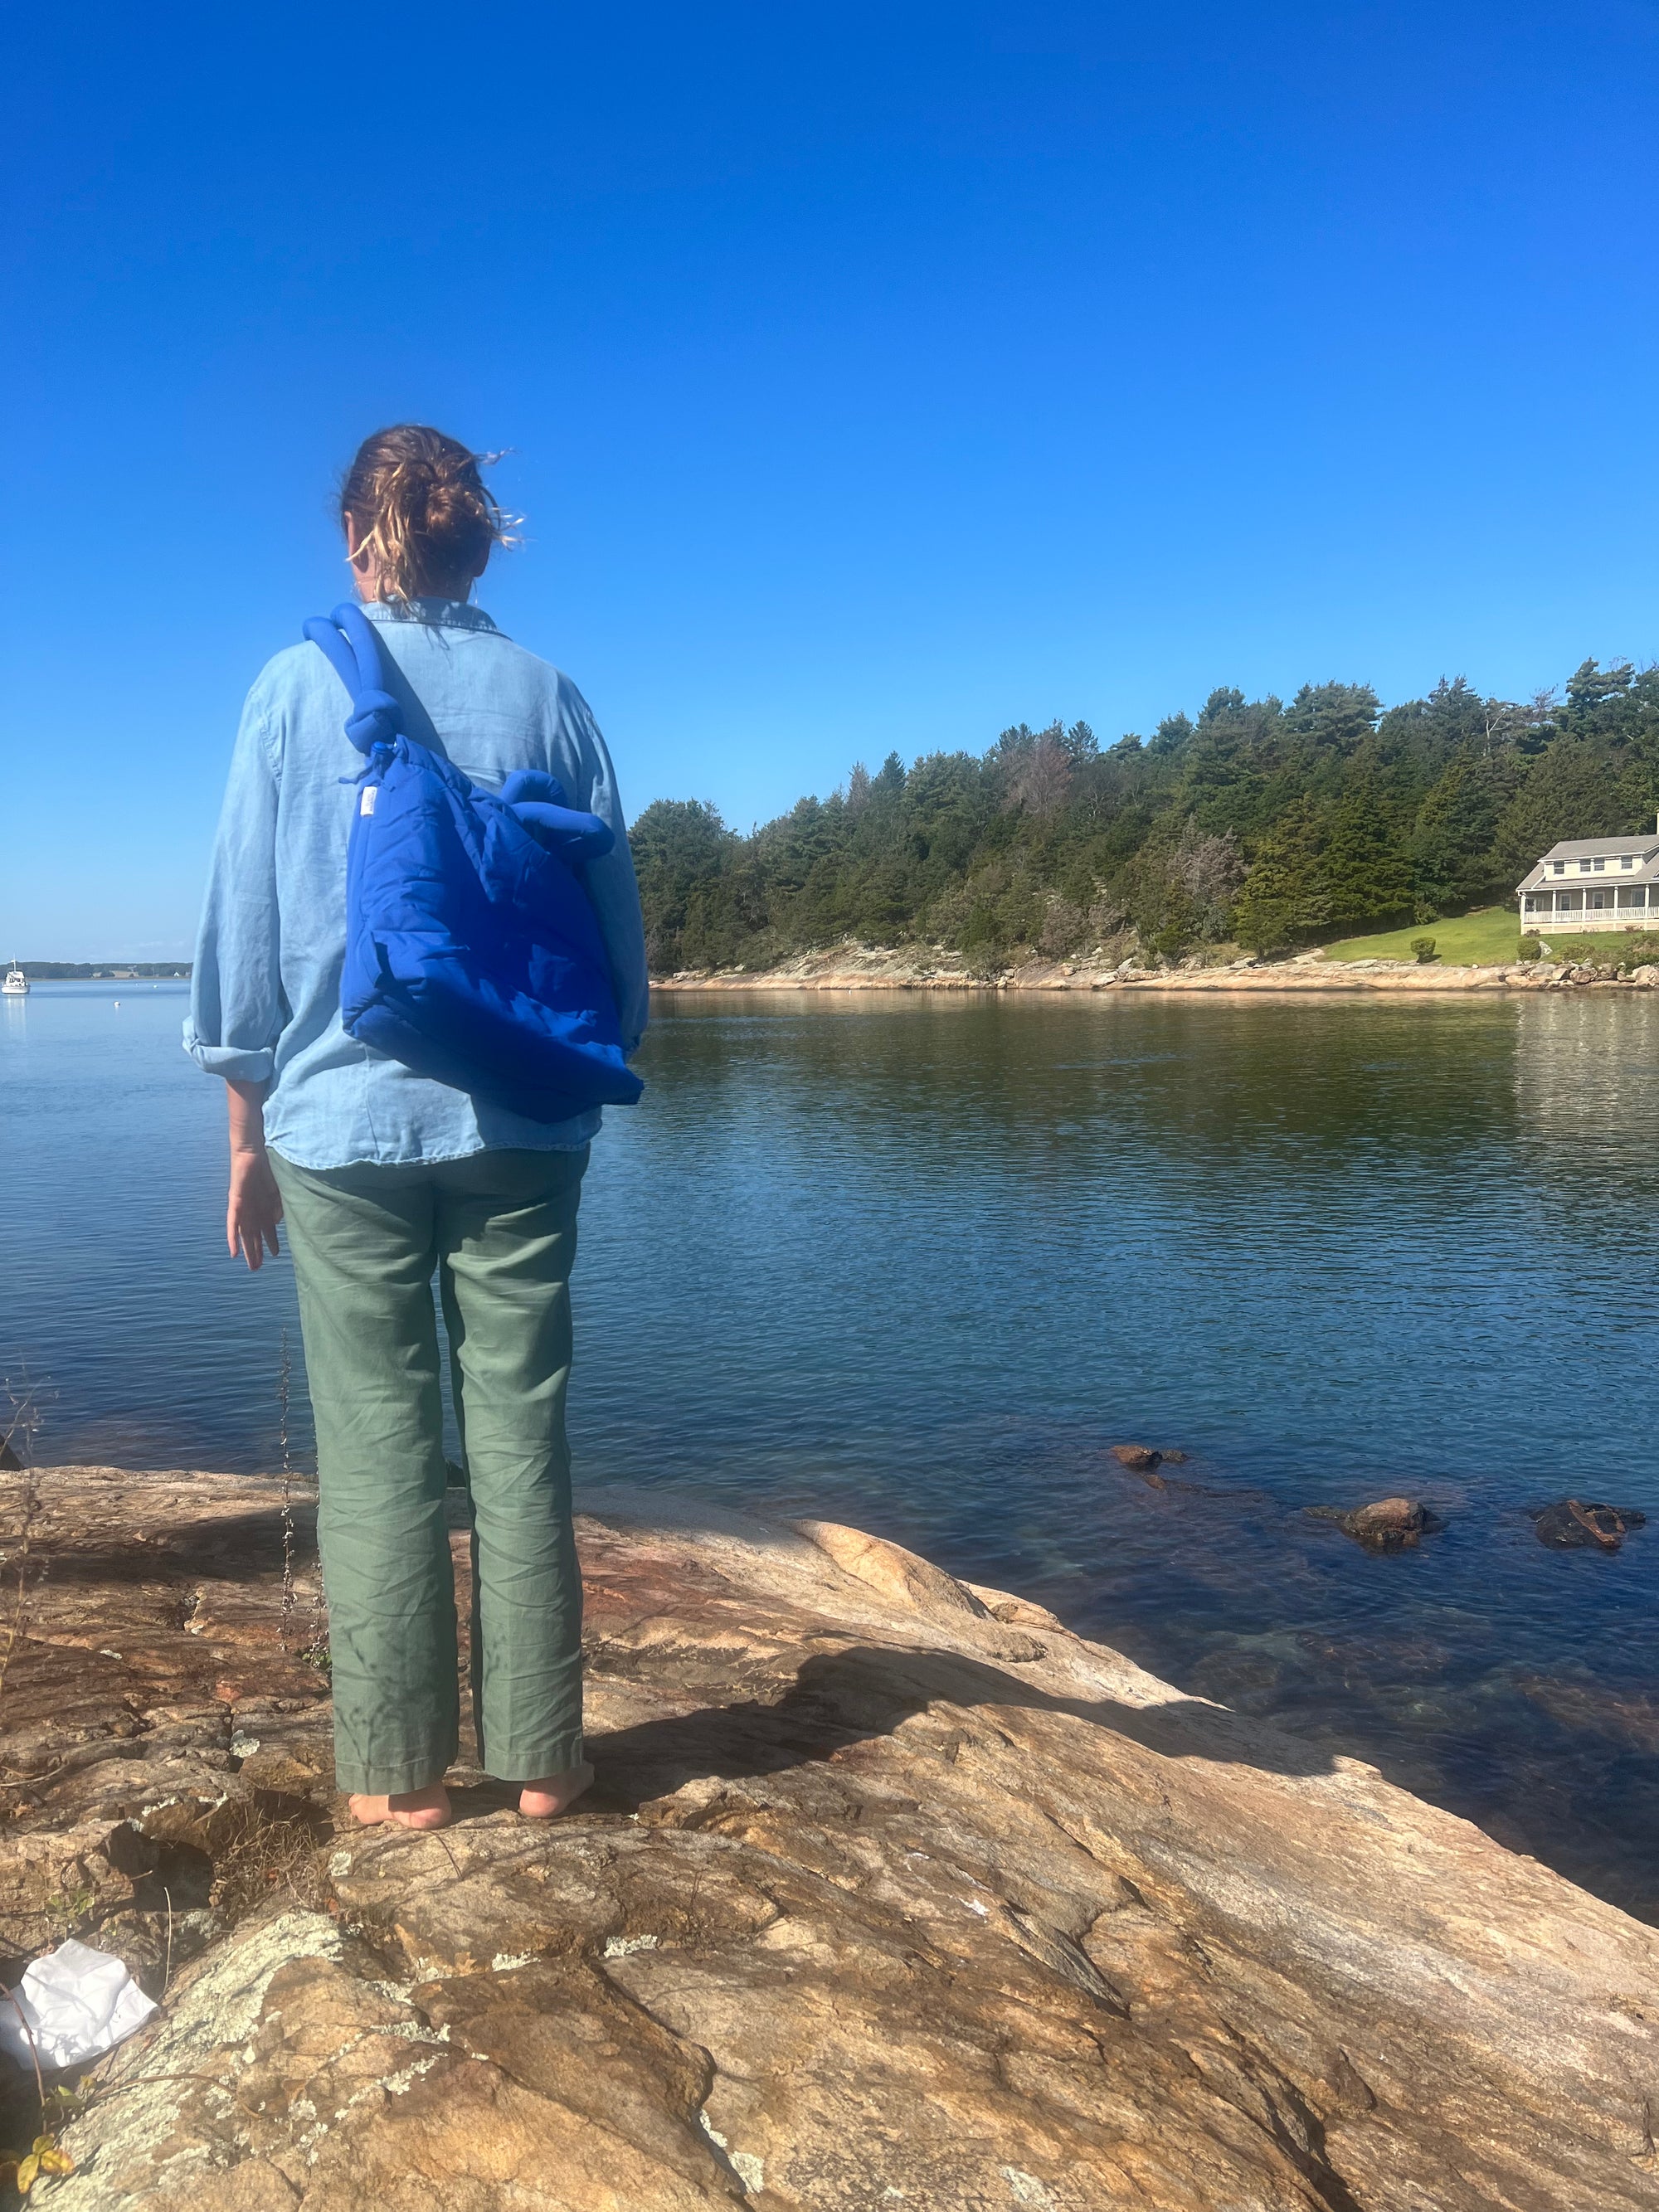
(849, 969)
(107, 972)
(1308, 974)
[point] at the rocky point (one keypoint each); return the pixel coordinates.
(891, 1892)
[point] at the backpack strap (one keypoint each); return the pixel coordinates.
(538, 800)
(347, 636)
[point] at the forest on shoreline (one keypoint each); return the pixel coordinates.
(1260, 823)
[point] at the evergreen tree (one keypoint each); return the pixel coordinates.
(1338, 716)
(1572, 790)
(681, 852)
(889, 783)
(1282, 902)
(1451, 844)
(1346, 820)
(1364, 878)
(1590, 687)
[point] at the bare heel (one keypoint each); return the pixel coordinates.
(546, 1799)
(405, 1808)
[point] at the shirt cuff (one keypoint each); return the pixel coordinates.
(228, 1060)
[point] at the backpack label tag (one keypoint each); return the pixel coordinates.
(368, 806)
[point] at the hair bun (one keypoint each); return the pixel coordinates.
(420, 508)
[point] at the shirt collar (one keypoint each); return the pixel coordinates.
(437, 614)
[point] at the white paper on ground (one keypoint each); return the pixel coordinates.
(77, 2002)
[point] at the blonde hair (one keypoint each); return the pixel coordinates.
(421, 510)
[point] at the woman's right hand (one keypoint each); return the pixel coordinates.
(256, 1204)
(255, 1209)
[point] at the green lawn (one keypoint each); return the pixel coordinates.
(1486, 938)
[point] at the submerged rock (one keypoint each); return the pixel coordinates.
(878, 1898)
(1140, 1457)
(1389, 1524)
(1576, 1524)
(1586, 1705)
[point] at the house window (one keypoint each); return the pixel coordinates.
(1561, 867)
(1532, 903)
(1583, 867)
(1627, 861)
(1600, 866)
(1598, 899)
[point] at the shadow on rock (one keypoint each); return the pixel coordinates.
(863, 1694)
(232, 1544)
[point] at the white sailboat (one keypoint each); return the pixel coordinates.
(16, 983)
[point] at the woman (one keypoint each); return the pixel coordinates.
(385, 1178)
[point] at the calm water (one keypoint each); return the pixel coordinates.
(915, 1264)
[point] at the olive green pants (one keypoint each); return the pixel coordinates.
(500, 1231)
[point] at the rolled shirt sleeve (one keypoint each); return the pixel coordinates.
(236, 1011)
(610, 881)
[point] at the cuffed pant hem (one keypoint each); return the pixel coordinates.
(390, 1781)
(557, 1756)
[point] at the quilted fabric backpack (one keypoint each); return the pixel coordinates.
(473, 954)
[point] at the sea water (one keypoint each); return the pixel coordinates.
(916, 1261)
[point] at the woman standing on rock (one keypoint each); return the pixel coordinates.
(387, 1177)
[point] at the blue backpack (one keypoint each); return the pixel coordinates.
(473, 954)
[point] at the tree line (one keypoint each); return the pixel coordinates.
(1260, 823)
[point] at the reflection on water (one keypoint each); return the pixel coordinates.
(917, 1263)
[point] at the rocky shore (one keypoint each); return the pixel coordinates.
(891, 1892)
(862, 968)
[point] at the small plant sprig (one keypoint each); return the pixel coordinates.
(45, 2156)
(284, 1383)
(20, 1425)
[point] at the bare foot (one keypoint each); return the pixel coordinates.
(405, 1808)
(542, 1800)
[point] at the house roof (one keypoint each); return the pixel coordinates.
(1644, 842)
(1643, 845)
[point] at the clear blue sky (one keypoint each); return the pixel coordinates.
(875, 377)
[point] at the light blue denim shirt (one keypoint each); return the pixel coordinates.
(265, 997)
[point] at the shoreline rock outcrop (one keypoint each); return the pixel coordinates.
(891, 1891)
(921, 967)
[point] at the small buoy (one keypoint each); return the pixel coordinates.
(117, 1002)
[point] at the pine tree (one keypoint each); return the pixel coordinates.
(1363, 872)
(1572, 790)
(1282, 902)
(1451, 840)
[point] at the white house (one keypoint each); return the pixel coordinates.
(1592, 883)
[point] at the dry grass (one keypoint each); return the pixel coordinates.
(257, 1854)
